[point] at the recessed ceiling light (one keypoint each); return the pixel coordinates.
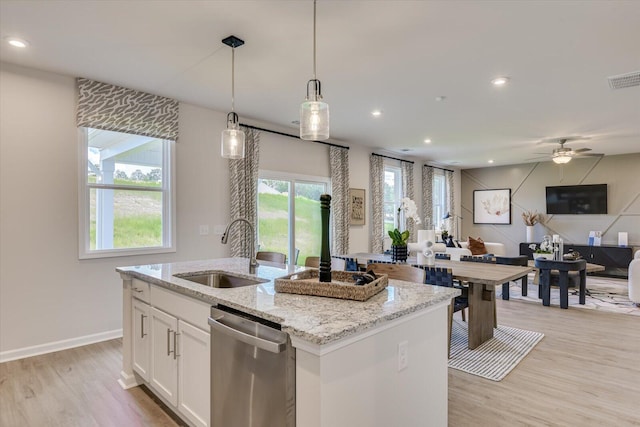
(376, 113)
(500, 81)
(427, 141)
(16, 42)
(490, 161)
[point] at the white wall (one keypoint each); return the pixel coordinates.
(48, 298)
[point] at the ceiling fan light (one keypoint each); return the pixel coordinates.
(561, 159)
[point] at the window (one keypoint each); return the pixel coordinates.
(125, 194)
(286, 224)
(440, 199)
(392, 196)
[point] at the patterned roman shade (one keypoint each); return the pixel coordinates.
(407, 191)
(115, 108)
(427, 197)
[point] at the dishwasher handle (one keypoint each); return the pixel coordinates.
(261, 343)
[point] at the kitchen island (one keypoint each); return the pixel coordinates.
(376, 363)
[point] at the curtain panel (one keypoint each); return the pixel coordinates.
(376, 180)
(407, 191)
(451, 205)
(427, 197)
(339, 165)
(243, 187)
(115, 108)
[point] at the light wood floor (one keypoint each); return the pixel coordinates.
(585, 372)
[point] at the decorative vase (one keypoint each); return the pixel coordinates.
(450, 243)
(529, 233)
(399, 253)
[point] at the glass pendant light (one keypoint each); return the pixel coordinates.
(314, 114)
(232, 141)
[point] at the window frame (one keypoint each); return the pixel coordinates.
(439, 220)
(292, 178)
(84, 214)
(397, 171)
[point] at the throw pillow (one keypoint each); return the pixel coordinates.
(476, 246)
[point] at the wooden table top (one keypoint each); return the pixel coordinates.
(474, 272)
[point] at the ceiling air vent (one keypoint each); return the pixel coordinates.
(625, 80)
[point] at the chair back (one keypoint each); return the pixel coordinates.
(548, 264)
(521, 260)
(377, 261)
(271, 256)
(398, 271)
(485, 259)
(442, 255)
(312, 261)
(437, 276)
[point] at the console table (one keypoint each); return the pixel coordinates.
(615, 259)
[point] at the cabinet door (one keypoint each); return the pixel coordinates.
(194, 378)
(164, 362)
(141, 338)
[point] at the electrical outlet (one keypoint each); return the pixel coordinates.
(204, 230)
(403, 355)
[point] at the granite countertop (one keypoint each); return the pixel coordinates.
(317, 320)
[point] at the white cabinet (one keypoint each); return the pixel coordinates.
(164, 360)
(193, 373)
(141, 338)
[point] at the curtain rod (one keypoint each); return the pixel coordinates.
(290, 136)
(392, 158)
(436, 167)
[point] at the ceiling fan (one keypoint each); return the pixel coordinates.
(564, 154)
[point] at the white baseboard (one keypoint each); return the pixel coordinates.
(21, 353)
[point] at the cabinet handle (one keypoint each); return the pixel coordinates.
(142, 334)
(168, 341)
(175, 345)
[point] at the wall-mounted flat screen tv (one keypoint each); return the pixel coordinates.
(577, 199)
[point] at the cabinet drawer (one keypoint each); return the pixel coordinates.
(140, 290)
(184, 307)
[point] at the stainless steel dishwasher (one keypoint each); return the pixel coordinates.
(252, 371)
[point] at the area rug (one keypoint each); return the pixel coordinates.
(603, 293)
(495, 358)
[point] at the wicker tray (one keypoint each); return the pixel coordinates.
(342, 285)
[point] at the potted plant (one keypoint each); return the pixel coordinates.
(544, 250)
(399, 251)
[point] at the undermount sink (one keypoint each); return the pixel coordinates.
(220, 280)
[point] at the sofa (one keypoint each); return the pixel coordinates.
(497, 249)
(634, 279)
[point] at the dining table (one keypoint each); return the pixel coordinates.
(482, 279)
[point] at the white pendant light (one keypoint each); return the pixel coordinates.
(232, 141)
(314, 114)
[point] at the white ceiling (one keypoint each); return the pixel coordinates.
(397, 56)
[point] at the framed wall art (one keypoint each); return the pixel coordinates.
(492, 206)
(357, 204)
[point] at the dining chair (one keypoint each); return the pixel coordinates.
(521, 260)
(442, 255)
(567, 272)
(351, 264)
(272, 256)
(398, 271)
(312, 261)
(377, 261)
(444, 277)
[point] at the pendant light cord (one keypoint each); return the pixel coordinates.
(233, 91)
(314, 39)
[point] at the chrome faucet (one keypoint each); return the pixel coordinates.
(252, 255)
